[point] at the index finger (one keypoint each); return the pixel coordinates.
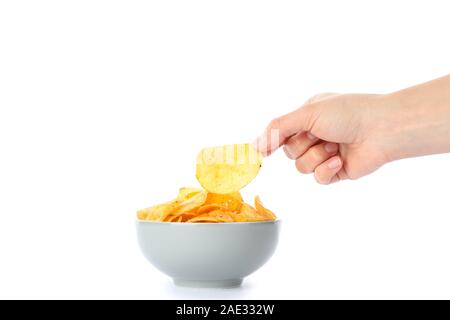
(281, 129)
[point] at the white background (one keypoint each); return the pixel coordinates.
(105, 104)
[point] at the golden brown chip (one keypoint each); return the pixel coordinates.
(237, 216)
(203, 218)
(221, 216)
(142, 214)
(210, 207)
(171, 218)
(250, 214)
(186, 216)
(231, 201)
(262, 210)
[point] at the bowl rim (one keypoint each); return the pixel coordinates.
(208, 223)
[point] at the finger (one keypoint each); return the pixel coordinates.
(327, 172)
(342, 174)
(316, 155)
(298, 144)
(281, 129)
(335, 179)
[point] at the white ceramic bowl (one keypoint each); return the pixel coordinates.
(208, 254)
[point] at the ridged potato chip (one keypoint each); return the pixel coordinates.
(227, 169)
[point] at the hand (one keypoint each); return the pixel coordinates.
(347, 136)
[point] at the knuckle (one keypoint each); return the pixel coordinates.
(294, 142)
(294, 147)
(317, 97)
(320, 97)
(316, 154)
(289, 153)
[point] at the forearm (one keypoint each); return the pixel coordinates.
(418, 120)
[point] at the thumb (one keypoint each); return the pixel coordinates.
(280, 129)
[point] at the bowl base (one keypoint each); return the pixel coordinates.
(231, 283)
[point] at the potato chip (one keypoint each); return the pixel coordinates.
(185, 217)
(251, 214)
(186, 193)
(158, 212)
(203, 218)
(210, 207)
(238, 217)
(228, 168)
(221, 216)
(213, 216)
(231, 201)
(262, 210)
(172, 218)
(191, 203)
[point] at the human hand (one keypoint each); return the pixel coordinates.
(347, 136)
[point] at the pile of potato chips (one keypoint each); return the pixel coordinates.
(197, 205)
(222, 171)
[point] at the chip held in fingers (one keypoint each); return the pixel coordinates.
(199, 206)
(227, 169)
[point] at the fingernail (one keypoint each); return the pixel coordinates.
(311, 136)
(334, 163)
(331, 147)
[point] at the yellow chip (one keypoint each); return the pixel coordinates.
(262, 210)
(158, 212)
(227, 169)
(248, 213)
(192, 203)
(186, 193)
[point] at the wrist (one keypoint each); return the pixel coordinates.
(417, 120)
